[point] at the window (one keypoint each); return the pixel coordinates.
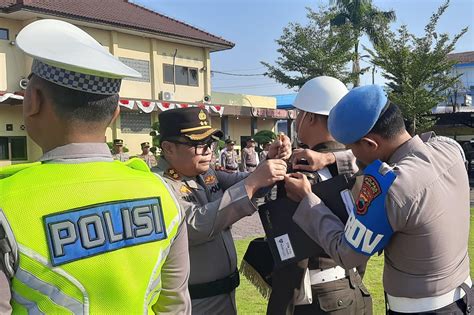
(4, 34)
(135, 122)
(13, 148)
(184, 75)
(168, 74)
(142, 66)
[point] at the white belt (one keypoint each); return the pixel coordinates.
(318, 276)
(409, 305)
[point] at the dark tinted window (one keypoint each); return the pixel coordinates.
(4, 34)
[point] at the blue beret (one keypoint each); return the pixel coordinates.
(356, 113)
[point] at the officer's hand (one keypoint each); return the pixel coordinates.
(315, 160)
(266, 174)
(297, 186)
(280, 149)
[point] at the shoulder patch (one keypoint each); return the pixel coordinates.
(97, 229)
(369, 191)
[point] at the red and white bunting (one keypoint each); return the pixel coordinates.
(163, 106)
(217, 109)
(127, 103)
(4, 96)
(146, 106)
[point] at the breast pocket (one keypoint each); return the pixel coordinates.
(338, 302)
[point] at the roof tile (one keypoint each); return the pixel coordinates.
(120, 13)
(463, 57)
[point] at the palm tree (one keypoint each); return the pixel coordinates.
(364, 18)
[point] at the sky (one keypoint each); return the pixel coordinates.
(254, 25)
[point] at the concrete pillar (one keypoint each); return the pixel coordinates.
(253, 126)
(225, 126)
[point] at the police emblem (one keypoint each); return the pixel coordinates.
(369, 191)
(185, 190)
(203, 118)
(210, 179)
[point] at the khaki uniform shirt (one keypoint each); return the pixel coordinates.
(149, 159)
(174, 296)
(249, 159)
(428, 209)
(212, 203)
(122, 157)
(229, 160)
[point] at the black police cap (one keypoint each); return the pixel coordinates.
(188, 124)
(228, 141)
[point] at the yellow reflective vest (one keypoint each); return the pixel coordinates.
(92, 237)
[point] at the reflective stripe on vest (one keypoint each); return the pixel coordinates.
(129, 280)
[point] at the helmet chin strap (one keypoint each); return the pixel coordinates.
(298, 128)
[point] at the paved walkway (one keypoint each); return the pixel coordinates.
(248, 227)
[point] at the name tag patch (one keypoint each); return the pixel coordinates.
(97, 229)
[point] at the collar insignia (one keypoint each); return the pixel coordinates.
(173, 174)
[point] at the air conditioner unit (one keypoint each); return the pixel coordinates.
(167, 96)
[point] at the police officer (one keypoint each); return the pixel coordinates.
(249, 156)
(146, 155)
(229, 157)
(264, 153)
(334, 289)
(78, 235)
(213, 201)
(414, 206)
(118, 151)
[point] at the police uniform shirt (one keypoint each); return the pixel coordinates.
(249, 159)
(149, 159)
(122, 157)
(174, 296)
(212, 203)
(428, 209)
(263, 156)
(229, 159)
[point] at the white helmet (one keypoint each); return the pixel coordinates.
(320, 95)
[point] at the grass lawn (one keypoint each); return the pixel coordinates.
(249, 300)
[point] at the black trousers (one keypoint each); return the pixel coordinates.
(346, 296)
(461, 306)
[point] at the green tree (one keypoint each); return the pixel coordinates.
(155, 133)
(417, 69)
(264, 136)
(363, 18)
(315, 49)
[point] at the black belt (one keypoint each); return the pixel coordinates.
(251, 165)
(217, 287)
